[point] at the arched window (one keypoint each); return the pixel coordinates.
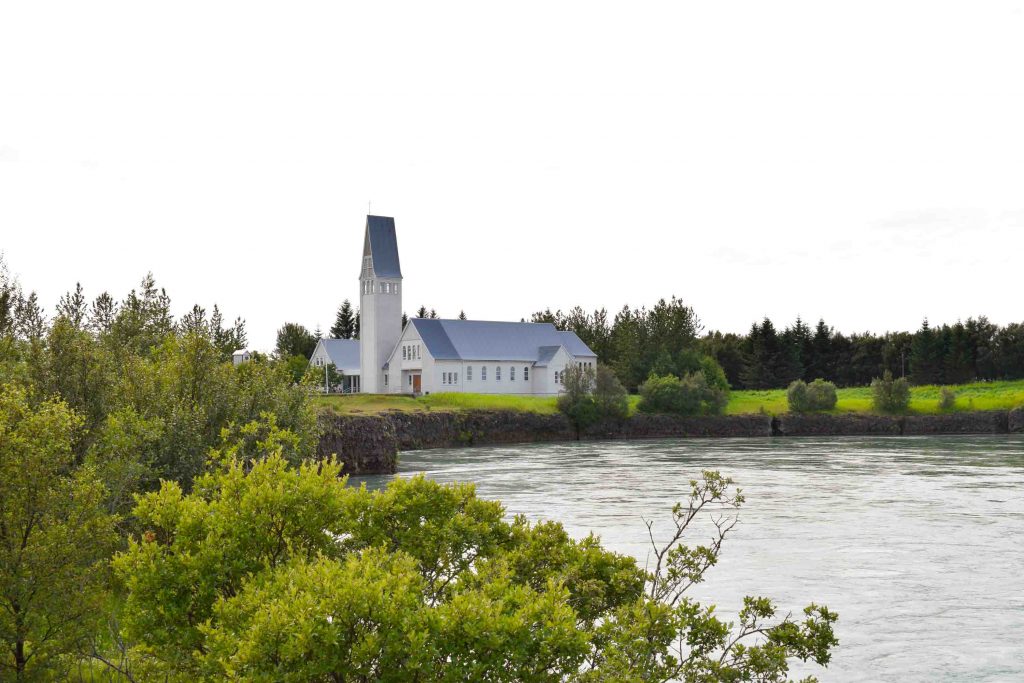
(497, 373)
(512, 374)
(483, 373)
(404, 354)
(526, 373)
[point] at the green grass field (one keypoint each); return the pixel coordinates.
(923, 400)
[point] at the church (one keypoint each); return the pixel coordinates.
(433, 355)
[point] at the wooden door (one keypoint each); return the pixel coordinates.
(416, 384)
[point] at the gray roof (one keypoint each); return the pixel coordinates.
(546, 353)
(574, 345)
(483, 340)
(383, 246)
(344, 353)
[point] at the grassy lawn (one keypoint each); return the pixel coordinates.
(923, 400)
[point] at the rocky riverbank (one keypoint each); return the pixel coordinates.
(370, 444)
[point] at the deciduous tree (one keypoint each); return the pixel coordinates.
(55, 537)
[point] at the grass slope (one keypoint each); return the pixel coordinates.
(923, 400)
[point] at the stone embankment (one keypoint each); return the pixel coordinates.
(370, 444)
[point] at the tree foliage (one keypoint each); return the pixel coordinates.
(153, 394)
(295, 340)
(55, 537)
(344, 322)
(266, 572)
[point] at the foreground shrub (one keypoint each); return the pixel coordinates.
(807, 398)
(691, 395)
(270, 573)
(890, 395)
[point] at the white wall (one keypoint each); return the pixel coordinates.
(400, 368)
(541, 382)
(380, 327)
(319, 354)
(506, 385)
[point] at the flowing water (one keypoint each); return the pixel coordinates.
(917, 543)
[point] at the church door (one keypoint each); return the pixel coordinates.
(416, 384)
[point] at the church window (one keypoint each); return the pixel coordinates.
(455, 378)
(385, 380)
(483, 373)
(497, 373)
(469, 373)
(512, 374)
(404, 353)
(526, 373)
(394, 288)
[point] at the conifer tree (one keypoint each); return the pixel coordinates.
(73, 308)
(344, 322)
(102, 313)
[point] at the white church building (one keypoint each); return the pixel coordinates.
(432, 355)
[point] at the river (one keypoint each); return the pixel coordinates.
(917, 543)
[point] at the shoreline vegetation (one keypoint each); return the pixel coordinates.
(924, 400)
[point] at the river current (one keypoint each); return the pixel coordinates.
(917, 542)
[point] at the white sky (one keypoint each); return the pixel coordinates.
(861, 161)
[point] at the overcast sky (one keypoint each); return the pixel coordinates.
(860, 161)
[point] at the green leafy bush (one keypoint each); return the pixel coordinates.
(796, 396)
(576, 401)
(691, 395)
(822, 395)
(807, 398)
(890, 395)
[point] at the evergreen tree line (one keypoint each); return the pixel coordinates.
(966, 351)
(669, 339)
(635, 343)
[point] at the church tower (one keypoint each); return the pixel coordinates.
(380, 303)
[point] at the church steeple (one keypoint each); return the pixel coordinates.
(380, 301)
